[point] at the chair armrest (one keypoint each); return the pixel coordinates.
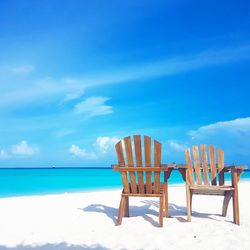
(233, 167)
(175, 166)
(236, 172)
(115, 167)
(181, 166)
(168, 165)
(133, 169)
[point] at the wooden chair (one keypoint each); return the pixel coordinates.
(197, 178)
(137, 177)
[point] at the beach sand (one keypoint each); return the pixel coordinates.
(87, 221)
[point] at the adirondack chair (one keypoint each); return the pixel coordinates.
(197, 178)
(139, 180)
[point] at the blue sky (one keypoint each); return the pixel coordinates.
(75, 76)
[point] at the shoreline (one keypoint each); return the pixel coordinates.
(93, 190)
(97, 190)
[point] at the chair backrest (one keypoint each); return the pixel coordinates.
(202, 171)
(136, 182)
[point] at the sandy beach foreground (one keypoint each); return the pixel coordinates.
(87, 221)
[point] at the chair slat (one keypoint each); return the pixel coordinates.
(204, 164)
(212, 164)
(195, 150)
(138, 157)
(190, 167)
(157, 163)
(121, 162)
(148, 163)
(221, 166)
(129, 154)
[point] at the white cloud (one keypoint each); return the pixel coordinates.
(177, 146)
(23, 148)
(20, 149)
(232, 136)
(238, 127)
(80, 152)
(24, 69)
(4, 154)
(93, 106)
(105, 143)
(102, 147)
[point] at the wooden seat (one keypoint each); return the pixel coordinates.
(212, 188)
(207, 178)
(140, 180)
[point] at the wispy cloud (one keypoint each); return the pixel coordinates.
(69, 88)
(172, 66)
(232, 136)
(238, 127)
(72, 96)
(24, 69)
(176, 146)
(4, 154)
(81, 152)
(93, 106)
(47, 88)
(63, 132)
(74, 93)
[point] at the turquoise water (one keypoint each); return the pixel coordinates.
(18, 182)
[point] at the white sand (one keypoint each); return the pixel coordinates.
(87, 221)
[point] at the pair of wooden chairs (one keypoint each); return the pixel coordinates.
(143, 176)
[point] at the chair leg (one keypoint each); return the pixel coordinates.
(161, 211)
(126, 214)
(166, 200)
(191, 201)
(226, 201)
(121, 210)
(236, 208)
(188, 194)
(236, 212)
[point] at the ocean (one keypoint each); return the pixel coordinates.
(37, 181)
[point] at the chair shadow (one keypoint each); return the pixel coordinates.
(178, 212)
(56, 246)
(175, 211)
(134, 211)
(110, 212)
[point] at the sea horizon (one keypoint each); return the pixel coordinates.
(248, 169)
